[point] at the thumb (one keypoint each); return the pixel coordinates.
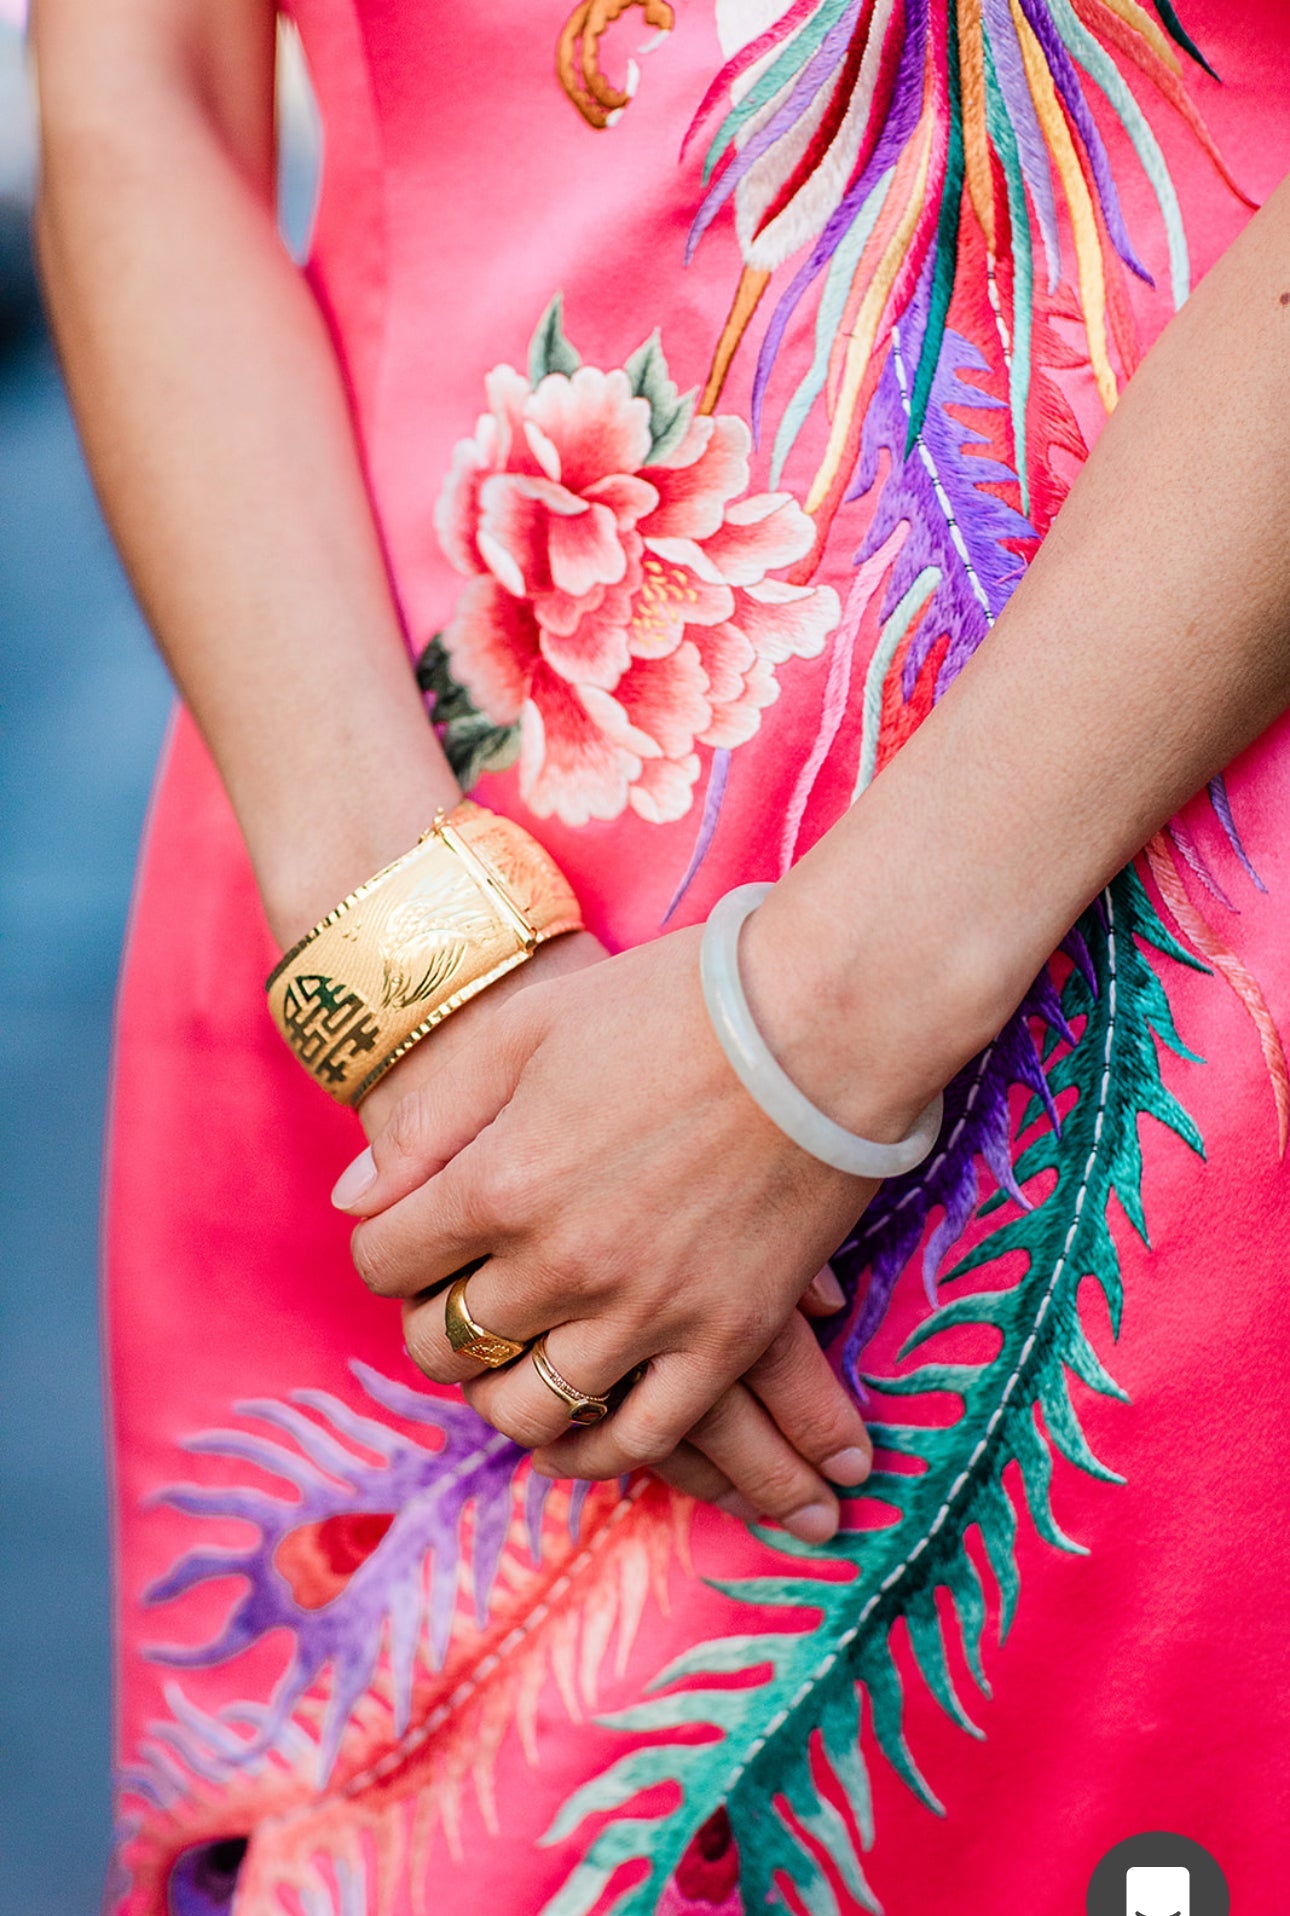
(441, 1112)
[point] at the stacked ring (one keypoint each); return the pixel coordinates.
(584, 1407)
(470, 1339)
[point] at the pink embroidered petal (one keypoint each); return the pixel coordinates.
(735, 721)
(678, 584)
(585, 551)
(693, 493)
(492, 641)
(456, 513)
(613, 721)
(727, 655)
(595, 423)
(667, 699)
(507, 392)
(594, 654)
(629, 499)
(760, 534)
(568, 767)
(687, 556)
(665, 789)
(786, 621)
(561, 612)
(546, 455)
(515, 520)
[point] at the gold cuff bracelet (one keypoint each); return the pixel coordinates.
(474, 897)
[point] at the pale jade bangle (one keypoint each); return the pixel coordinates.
(768, 1083)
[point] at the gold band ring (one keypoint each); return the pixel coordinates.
(470, 1339)
(584, 1407)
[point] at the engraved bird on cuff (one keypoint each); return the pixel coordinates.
(427, 938)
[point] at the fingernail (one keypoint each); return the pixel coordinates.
(356, 1178)
(813, 1523)
(738, 1507)
(828, 1290)
(849, 1467)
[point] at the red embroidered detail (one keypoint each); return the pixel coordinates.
(318, 1559)
(709, 1869)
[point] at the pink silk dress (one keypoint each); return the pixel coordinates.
(711, 410)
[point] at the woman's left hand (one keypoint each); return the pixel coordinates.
(629, 1199)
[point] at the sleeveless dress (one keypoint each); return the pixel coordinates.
(718, 367)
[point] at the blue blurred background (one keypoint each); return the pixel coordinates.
(83, 707)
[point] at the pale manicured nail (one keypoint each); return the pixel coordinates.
(737, 1506)
(356, 1178)
(828, 1290)
(849, 1467)
(813, 1523)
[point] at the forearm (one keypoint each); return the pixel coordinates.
(216, 426)
(1147, 645)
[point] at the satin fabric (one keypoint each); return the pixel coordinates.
(1144, 1684)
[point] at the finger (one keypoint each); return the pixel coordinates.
(738, 1436)
(428, 1127)
(795, 1383)
(689, 1470)
(645, 1428)
(428, 1236)
(510, 1297)
(591, 1356)
(475, 1205)
(823, 1295)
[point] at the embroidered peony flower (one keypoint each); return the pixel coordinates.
(619, 611)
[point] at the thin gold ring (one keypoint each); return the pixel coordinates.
(584, 1406)
(470, 1339)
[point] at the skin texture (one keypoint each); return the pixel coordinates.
(1109, 692)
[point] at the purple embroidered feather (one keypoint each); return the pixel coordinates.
(424, 1489)
(1223, 812)
(938, 490)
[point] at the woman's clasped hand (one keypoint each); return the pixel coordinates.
(583, 1143)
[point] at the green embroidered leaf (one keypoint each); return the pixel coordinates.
(757, 1746)
(670, 411)
(549, 350)
(473, 743)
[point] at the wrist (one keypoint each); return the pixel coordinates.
(310, 866)
(869, 1018)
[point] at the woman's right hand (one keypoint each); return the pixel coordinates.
(805, 1417)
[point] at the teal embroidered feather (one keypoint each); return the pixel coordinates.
(799, 1702)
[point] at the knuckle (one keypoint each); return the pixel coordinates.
(526, 1428)
(508, 1186)
(404, 1136)
(590, 1462)
(779, 1488)
(818, 1425)
(640, 1444)
(781, 1359)
(716, 1423)
(567, 1266)
(755, 1327)
(425, 1349)
(371, 1260)
(834, 1426)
